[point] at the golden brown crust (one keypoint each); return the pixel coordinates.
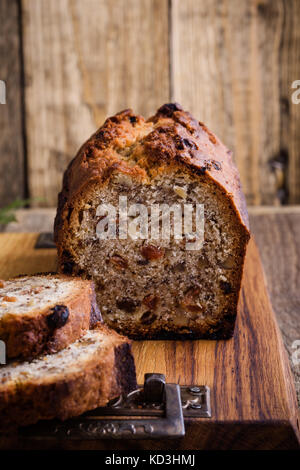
(179, 137)
(29, 335)
(171, 136)
(105, 377)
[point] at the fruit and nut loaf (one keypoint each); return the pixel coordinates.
(86, 374)
(43, 314)
(156, 288)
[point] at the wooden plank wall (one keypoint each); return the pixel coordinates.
(230, 62)
(82, 65)
(12, 155)
(233, 65)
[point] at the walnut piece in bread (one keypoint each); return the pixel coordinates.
(156, 289)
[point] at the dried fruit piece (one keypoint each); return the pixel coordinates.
(203, 262)
(142, 262)
(169, 108)
(179, 267)
(226, 287)
(133, 119)
(2, 283)
(151, 301)
(190, 143)
(148, 317)
(37, 290)
(152, 252)
(7, 298)
(194, 308)
(189, 301)
(59, 317)
(127, 304)
(100, 285)
(119, 262)
(68, 267)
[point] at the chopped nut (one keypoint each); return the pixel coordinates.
(181, 191)
(152, 252)
(119, 262)
(123, 179)
(228, 263)
(194, 308)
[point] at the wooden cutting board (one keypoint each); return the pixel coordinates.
(252, 392)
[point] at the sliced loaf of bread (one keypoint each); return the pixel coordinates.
(151, 286)
(43, 314)
(88, 373)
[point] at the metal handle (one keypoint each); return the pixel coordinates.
(160, 409)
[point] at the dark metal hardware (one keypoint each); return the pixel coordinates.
(154, 387)
(161, 409)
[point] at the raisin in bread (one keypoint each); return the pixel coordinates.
(88, 373)
(156, 289)
(45, 313)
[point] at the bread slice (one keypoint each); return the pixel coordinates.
(43, 314)
(88, 373)
(156, 288)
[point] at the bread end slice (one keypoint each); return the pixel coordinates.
(44, 313)
(93, 370)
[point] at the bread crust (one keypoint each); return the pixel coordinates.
(103, 378)
(164, 145)
(170, 140)
(30, 335)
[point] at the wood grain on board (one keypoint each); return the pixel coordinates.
(252, 394)
(233, 64)
(277, 235)
(83, 62)
(11, 132)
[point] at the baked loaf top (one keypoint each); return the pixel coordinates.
(172, 135)
(88, 373)
(45, 313)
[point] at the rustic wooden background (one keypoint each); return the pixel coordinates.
(68, 64)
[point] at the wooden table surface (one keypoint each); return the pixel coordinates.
(277, 234)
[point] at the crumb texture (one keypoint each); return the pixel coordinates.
(26, 294)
